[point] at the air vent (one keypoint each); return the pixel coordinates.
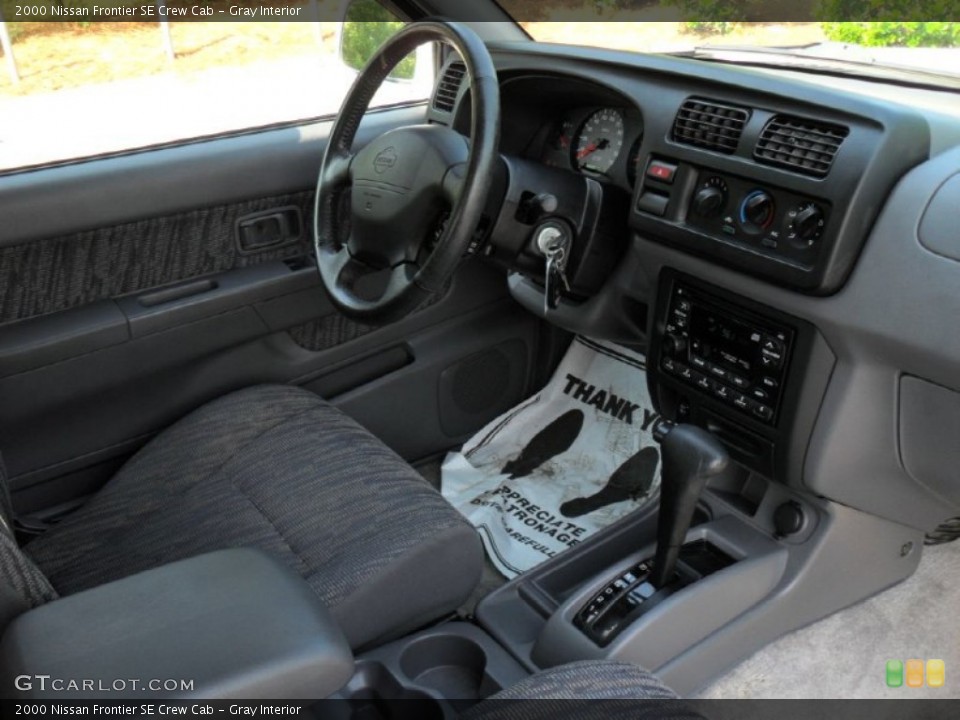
(448, 88)
(804, 146)
(710, 125)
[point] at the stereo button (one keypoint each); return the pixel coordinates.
(763, 412)
(719, 372)
(769, 383)
(770, 360)
(698, 362)
(723, 392)
(741, 401)
(773, 345)
(739, 381)
(760, 394)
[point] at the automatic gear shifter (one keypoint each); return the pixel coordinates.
(691, 457)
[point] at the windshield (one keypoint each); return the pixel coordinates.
(848, 47)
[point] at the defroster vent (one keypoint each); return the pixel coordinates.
(710, 125)
(798, 144)
(448, 88)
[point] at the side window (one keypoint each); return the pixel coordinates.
(73, 90)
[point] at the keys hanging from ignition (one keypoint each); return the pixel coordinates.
(553, 240)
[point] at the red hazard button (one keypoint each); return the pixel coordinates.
(662, 171)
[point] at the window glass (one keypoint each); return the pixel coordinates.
(80, 89)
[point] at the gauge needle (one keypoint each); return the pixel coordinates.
(592, 148)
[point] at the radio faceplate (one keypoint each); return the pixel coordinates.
(726, 353)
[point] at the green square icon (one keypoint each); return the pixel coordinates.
(894, 673)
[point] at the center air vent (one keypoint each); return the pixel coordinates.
(710, 125)
(804, 146)
(448, 88)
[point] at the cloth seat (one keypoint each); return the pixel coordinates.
(279, 469)
(586, 690)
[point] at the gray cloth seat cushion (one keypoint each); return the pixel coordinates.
(583, 691)
(279, 469)
(590, 680)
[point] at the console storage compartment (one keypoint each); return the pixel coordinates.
(233, 624)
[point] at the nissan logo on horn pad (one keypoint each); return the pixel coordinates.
(385, 160)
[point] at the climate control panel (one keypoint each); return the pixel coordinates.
(770, 220)
(756, 225)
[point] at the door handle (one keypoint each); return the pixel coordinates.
(268, 229)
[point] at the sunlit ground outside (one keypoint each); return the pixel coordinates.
(104, 87)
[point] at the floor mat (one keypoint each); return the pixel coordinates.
(574, 458)
(845, 655)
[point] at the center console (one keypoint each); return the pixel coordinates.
(733, 380)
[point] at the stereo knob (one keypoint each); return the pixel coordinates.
(757, 211)
(674, 345)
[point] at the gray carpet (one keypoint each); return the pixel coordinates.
(430, 469)
(844, 655)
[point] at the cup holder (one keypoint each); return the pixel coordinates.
(454, 666)
(373, 692)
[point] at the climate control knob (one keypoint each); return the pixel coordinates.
(807, 224)
(757, 211)
(710, 199)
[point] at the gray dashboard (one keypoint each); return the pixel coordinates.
(878, 400)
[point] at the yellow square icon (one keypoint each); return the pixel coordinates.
(936, 673)
(915, 673)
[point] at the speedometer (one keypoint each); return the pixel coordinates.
(599, 142)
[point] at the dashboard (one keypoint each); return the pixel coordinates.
(782, 250)
(783, 187)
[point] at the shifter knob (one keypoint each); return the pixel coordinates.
(691, 457)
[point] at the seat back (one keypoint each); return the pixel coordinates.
(22, 585)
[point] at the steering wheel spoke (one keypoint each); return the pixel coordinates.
(451, 188)
(344, 269)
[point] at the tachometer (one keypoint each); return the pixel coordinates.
(599, 142)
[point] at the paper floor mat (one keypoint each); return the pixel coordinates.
(574, 458)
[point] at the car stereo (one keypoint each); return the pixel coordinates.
(713, 347)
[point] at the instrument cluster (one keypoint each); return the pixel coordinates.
(601, 142)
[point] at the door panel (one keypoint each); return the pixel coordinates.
(59, 273)
(113, 332)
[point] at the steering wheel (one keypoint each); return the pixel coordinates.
(407, 205)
